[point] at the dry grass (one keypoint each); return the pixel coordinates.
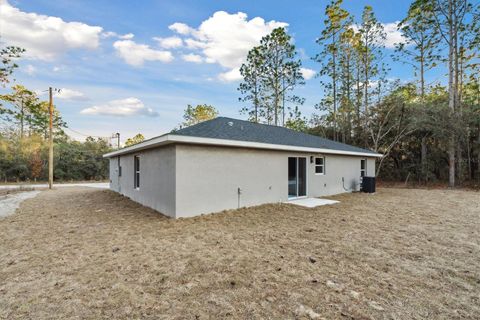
(398, 254)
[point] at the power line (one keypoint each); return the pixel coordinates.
(86, 135)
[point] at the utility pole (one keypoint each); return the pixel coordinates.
(115, 135)
(50, 136)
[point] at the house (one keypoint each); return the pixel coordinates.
(227, 163)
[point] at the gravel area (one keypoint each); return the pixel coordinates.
(90, 254)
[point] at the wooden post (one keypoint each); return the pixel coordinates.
(50, 136)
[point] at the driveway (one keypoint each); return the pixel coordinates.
(10, 202)
(99, 185)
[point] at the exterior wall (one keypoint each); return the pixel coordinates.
(187, 180)
(114, 174)
(337, 168)
(208, 178)
(157, 178)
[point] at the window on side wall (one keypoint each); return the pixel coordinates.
(320, 165)
(119, 168)
(363, 167)
(136, 169)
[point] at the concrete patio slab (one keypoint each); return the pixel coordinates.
(311, 202)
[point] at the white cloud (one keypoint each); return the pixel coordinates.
(194, 44)
(30, 70)
(111, 34)
(191, 57)
(45, 37)
(229, 76)
(127, 36)
(394, 36)
(180, 28)
(121, 108)
(307, 73)
(170, 42)
(69, 94)
(226, 39)
(136, 54)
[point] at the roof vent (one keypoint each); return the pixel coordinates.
(230, 123)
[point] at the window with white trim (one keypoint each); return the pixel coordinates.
(319, 165)
(363, 167)
(136, 170)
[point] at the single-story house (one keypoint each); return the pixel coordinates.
(227, 163)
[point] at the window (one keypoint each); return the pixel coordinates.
(136, 177)
(363, 167)
(119, 168)
(320, 165)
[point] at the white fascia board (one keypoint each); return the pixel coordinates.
(172, 138)
(155, 142)
(268, 146)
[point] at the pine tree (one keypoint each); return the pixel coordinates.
(251, 87)
(272, 71)
(8, 56)
(336, 23)
(23, 104)
(420, 50)
(372, 37)
(450, 21)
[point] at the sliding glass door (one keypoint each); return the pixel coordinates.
(297, 177)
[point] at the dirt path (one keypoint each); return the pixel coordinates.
(9, 202)
(398, 254)
(37, 186)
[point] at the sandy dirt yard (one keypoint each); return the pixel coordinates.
(399, 254)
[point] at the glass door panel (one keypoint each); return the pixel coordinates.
(297, 177)
(302, 177)
(292, 177)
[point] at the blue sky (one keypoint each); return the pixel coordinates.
(133, 66)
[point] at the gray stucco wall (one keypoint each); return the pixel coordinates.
(187, 180)
(208, 178)
(157, 178)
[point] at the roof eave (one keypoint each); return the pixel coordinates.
(173, 138)
(152, 143)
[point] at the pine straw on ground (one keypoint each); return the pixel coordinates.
(398, 254)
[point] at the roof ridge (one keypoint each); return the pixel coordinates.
(216, 128)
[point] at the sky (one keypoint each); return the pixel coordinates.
(133, 66)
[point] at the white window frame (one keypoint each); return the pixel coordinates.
(136, 181)
(319, 165)
(364, 170)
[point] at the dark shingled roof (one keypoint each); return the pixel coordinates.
(240, 130)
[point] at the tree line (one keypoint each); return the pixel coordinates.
(427, 131)
(24, 122)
